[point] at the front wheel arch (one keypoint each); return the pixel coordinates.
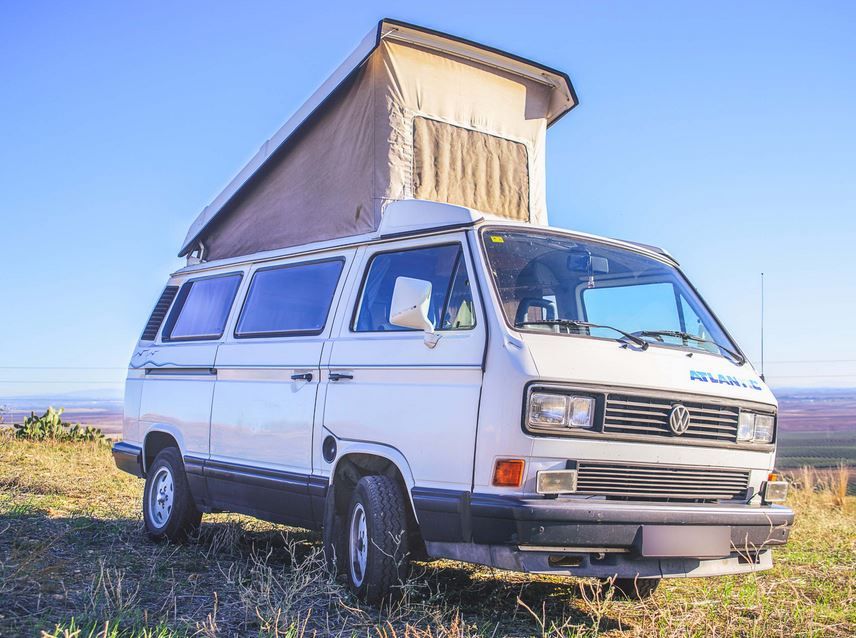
(349, 470)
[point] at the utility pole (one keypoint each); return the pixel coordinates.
(762, 327)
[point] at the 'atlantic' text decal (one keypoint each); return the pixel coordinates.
(709, 377)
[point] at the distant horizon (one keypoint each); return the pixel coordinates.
(116, 393)
(825, 411)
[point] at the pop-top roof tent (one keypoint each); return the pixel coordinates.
(411, 114)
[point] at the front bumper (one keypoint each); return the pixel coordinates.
(616, 524)
(595, 537)
(599, 565)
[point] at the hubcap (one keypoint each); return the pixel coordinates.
(161, 497)
(358, 545)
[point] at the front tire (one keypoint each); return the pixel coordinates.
(634, 588)
(376, 537)
(168, 508)
(334, 546)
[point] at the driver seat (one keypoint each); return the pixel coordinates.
(527, 303)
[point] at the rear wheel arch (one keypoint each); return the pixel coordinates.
(154, 442)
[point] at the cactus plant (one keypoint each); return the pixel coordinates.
(50, 426)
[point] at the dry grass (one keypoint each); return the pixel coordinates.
(75, 563)
(837, 482)
(840, 485)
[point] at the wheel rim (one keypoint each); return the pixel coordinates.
(161, 497)
(358, 544)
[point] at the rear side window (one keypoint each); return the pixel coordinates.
(202, 308)
(289, 300)
(451, 304)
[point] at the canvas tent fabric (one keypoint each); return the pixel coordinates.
(414, 119)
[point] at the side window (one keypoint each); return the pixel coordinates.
(450, 302)
(293, 299)
(202, 308)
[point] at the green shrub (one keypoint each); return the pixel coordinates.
(50, 426)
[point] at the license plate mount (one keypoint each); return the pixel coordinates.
(685, 541)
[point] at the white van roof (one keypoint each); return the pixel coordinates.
(411, 218)
(409, 113)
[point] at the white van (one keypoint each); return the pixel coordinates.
(455, 384)
(494, 392)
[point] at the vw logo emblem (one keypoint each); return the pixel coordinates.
(679, 419)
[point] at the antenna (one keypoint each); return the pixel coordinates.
(762, 327)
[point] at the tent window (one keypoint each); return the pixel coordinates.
(469, 168)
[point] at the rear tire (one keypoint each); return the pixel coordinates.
(376, 539)
(634, 588)
(168, 508)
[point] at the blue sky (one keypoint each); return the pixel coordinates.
(722, 131)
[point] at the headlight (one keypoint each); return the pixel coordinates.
(557, 411)
(755, 428)
(581, 414)
(764, 427)
(548, 410)
(746, 426)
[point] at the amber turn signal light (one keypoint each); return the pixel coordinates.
(508, 473)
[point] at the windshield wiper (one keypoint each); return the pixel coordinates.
(738, 358)
(573, 323)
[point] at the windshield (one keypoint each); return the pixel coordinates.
(547, 282)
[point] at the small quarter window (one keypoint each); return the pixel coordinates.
(202, 309)
(451, 305)
(293, 299)
(460, 314)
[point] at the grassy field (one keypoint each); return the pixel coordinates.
(74, 562)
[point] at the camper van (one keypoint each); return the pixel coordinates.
(378, 335)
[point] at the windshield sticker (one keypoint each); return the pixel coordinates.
(496, 239)
(696, 375)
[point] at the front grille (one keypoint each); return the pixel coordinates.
(658, 482)
(631, 414)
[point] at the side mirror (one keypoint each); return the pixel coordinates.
(411, 299)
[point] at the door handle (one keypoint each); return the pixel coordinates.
(305, 376)
(337, 376)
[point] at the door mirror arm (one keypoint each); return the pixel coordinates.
(431, 339)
